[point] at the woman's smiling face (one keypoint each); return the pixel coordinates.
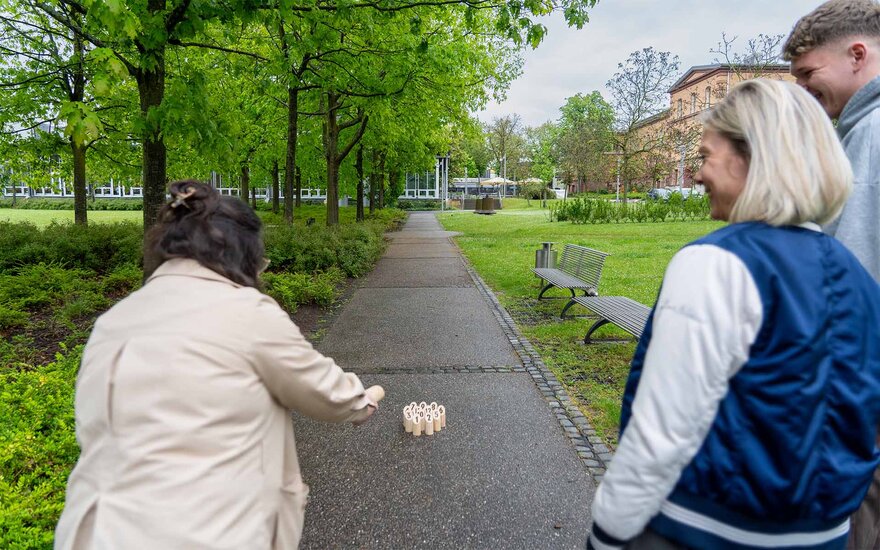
(723, 172)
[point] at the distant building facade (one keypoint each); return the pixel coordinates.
(677, 130)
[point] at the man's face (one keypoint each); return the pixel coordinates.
(829, 74)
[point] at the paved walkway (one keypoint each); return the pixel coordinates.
(503, 474)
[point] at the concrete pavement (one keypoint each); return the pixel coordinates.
(509, 469)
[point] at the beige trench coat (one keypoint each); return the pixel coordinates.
(182, 416)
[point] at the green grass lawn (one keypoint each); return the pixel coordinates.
(502, 249)
(42, 218)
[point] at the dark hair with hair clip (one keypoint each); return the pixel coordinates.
(221, 233)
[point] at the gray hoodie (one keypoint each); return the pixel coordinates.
(858, 227)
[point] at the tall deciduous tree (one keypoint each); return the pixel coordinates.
(639, 91)
(544, 149)
(43, 80)
(586, 133)
(502, 134)
(135, 37)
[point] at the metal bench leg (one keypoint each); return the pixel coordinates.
(547, 287)
(596, 325)
(567, 306)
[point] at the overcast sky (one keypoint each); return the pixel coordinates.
(572, 61)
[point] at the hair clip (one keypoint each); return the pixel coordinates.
(180, 198)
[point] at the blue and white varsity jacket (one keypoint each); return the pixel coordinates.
(753, 401)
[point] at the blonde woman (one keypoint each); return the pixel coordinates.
(753, 399)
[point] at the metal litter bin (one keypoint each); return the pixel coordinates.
(545, 256)
(488, 205)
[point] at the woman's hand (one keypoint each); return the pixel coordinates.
(375, 394)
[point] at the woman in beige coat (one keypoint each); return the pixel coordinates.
(183, 397)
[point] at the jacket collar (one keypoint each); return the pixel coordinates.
(186, 267)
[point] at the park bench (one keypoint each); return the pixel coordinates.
(624, 312)
(579, 269)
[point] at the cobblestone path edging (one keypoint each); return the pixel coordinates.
(594, 454)
(454, 369)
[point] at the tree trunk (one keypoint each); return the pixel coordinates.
(393, 180)
(359, 168)
(332, 152)
(299, 186)
(374, 180)
(381, 182)
(78, 81)
(290, 165)
(331, 155)
(151, 91)
(275, 187)
(332, 193)
(245, 182)
(80, 205)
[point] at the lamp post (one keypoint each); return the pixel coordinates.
(617, 154)
(683, 151)
(503, 177)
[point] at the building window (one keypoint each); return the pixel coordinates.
(708, 97)
(693, 103)
(680, 111)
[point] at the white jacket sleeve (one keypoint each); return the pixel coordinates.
(707, 316)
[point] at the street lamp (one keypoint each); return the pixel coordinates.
(617, 154)
(503, 177)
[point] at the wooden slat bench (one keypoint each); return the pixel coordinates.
(579, 269)
(628, 314)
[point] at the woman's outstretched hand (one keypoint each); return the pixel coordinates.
(375, 394)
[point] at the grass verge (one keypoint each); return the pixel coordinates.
(502, 250)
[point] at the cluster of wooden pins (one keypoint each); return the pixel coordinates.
(423, 418)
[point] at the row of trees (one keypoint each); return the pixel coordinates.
(632, 134)
(147, 91)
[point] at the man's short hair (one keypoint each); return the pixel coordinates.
(830, 22)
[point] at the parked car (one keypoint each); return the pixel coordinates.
(663, 193)
(659, 193)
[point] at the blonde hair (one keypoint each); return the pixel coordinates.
(830, 22)
(798, 171)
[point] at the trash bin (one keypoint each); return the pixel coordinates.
(545, 256)
(488, 205)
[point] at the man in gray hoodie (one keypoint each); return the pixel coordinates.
(835, 54)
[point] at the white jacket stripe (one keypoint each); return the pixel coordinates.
(751, 538)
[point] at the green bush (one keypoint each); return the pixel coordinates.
(582, 209)
(418, 204)
(123, 279)
(292, 289)
(37, 449)
(70, 293)
(354, 248)
(11, 317)
(98, 247)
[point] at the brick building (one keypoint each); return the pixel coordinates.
(677, 129)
